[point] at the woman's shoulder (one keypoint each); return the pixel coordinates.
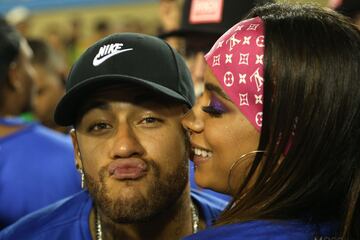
(260, 229)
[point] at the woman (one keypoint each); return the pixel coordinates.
(278, 126)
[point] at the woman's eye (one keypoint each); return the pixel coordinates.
(212, 111)
(215, 108)
(99, 126)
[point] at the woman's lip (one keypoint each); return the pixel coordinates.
(199, 159)
(127, 169)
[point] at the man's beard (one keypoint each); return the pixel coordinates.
(161, 194)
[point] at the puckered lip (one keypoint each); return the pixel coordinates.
(128, 169)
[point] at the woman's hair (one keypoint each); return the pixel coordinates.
(311, 122)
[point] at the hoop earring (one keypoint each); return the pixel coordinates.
(82, 178)
(237, 161)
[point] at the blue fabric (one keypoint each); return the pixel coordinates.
(68, 218)
(37, 168)
(268, 230)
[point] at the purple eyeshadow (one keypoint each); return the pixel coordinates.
(217, 105)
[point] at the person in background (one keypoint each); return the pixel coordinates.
(20, 17)
(49, 81)
(170, 15)
(36, 163)
(278, 126)
(201, 23)
(351, 9)
(125, 97)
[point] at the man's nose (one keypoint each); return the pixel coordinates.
(126, 143)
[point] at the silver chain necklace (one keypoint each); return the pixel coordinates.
(194, 214)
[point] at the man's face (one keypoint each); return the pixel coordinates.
(25, 74)
(196, 46)
(49, 90)
(132, 149)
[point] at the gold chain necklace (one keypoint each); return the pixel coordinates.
(194, 214)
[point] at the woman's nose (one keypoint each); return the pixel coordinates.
(191, 122)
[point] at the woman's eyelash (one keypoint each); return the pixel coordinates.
(213, 111)
(215, 107)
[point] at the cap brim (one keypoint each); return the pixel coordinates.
(66, 109)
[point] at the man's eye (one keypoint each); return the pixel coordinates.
(99, 126)
(150, 120)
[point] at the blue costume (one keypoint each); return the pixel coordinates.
(36, 168)
(69, 218)
(269, 230)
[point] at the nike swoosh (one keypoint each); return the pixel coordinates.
(97, 62)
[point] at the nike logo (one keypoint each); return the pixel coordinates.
(108, 51)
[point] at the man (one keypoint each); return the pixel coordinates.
(49, 81)
(36, 164)
(125, 98)
(349, 8)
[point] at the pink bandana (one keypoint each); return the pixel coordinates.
(236, 59)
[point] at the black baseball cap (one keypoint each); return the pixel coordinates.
(129, 58)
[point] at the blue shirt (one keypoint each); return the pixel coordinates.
(69, 218)
(36, 168)
(268, 230)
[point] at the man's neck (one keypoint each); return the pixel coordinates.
(6, 130)
(174, 223)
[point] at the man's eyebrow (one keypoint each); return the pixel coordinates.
(213, 88)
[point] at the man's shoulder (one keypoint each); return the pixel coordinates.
(51, 136)
(279, 230)
(209, 205)
(51, 220)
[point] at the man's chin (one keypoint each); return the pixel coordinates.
(126, 206)
(125, 195)
(129, 201)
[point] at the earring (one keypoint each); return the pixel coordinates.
(82, 178)
(237, 161)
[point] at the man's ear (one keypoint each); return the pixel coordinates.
(14, 82)
(77, 153)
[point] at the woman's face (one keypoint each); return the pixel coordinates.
(220, 135)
